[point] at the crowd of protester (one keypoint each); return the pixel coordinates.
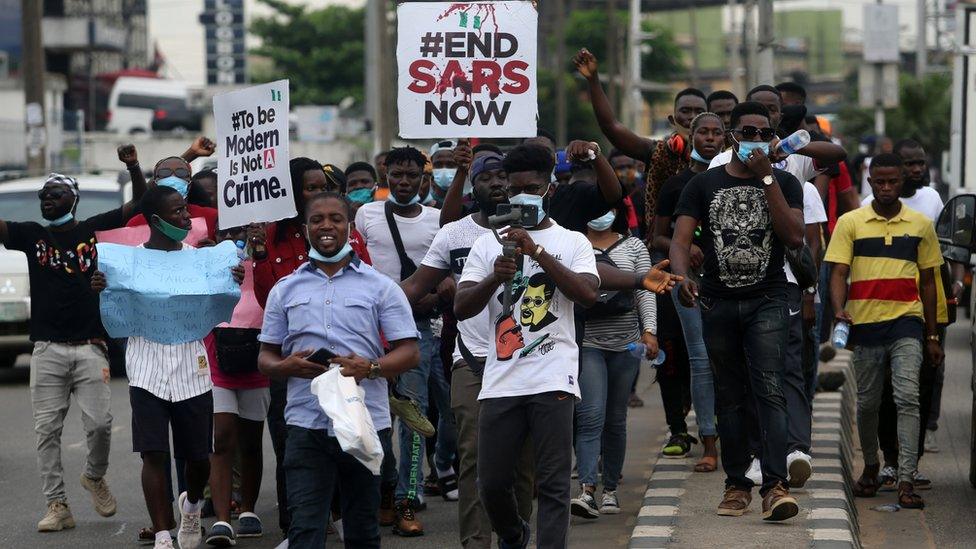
(712, 253)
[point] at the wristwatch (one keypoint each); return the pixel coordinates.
(768, 180)
(374, 370)
(932, 338)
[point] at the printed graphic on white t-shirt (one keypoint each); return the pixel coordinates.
(534, 347)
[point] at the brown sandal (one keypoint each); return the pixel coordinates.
(907, 498)
(707, 464)
(866, 487)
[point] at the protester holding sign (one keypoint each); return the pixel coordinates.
(175, 391)
(70, 355)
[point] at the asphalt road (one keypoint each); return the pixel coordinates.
(22, 503)
(947, 520)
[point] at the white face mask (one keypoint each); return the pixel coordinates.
(603, 222)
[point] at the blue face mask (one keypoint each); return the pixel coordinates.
(180, 185)
(334, 258)
(443, 177)
(698, 158)
(361, 196)
(531, 200)
(66, 218)
(746, 148)
(603, 222)
(392, 198)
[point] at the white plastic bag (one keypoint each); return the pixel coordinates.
(343, 401)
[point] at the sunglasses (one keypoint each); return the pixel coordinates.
(750, 132)
(53, 194)
(182, 173)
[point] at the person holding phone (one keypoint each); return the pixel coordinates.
(338, 304)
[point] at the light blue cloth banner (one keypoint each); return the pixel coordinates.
(167, 297)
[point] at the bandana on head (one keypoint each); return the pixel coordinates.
(60, 179)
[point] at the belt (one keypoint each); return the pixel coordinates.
(93, 341)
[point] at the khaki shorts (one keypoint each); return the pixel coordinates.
(250, 404)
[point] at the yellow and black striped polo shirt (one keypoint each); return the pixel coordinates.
(885, 257)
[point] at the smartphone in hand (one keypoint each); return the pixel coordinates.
(322, 356)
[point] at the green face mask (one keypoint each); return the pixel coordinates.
(171, 231)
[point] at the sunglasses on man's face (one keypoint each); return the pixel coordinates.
(750, 132)
(182, 173)
(53, 194)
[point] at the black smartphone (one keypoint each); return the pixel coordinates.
(322, 356)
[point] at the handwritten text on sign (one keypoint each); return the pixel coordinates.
(253, 183)
(167, 297)
(467, 69)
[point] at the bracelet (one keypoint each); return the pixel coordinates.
(538, 250)
(932, 338)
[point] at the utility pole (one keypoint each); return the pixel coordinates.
(634, 99)
(749, 39)
(921, 39)
(735, 51)
(378, 66)
(32, 72)
(561, 99)
(695, 54)
(765, 70)
(879, 113)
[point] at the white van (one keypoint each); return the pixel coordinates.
(134, 100)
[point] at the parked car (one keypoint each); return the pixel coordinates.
(18, 202)
(177, 119)
(134, 102)
(956, 230)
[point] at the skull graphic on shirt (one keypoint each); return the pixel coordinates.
(742, 235)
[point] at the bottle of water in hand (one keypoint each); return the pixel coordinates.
(794, 142)
(241, 249)
(639, 350)
(839, 337)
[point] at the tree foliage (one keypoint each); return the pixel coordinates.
(923, 113)
(321, 51)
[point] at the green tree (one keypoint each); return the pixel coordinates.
(321, 51)
(923, 114)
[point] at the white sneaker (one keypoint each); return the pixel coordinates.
(799, 468)
(754, 473)
(57, 518)
(931, 445)
(163, 543)
(189, 534)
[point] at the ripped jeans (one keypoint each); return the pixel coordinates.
(746, 341)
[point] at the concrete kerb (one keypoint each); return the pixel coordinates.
(833, 516)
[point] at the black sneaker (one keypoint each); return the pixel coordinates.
(584, 505)
(448, 485)
(678, 445)
(522, 543)
(221, 535)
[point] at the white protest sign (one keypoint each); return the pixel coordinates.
(253, 181)
(467, 69)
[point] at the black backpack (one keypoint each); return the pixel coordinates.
(610, 302)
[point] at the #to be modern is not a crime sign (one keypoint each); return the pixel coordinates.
(467, 69)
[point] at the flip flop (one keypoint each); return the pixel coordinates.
(865, 487)
(707, 464)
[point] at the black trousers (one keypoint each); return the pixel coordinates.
(503, 425)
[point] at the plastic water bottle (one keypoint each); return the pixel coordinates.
(839, 337)
(796, 141)
(639, 350)
(241, 252)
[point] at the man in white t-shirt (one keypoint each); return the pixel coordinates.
(397, 254)
(445, 262)
(530, 384)
(798, 374)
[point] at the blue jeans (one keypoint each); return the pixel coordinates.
(746, 341)
(702, 381)
(413, 384)
(314, 464)
(601, 416)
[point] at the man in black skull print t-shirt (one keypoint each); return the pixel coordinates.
(748, 213)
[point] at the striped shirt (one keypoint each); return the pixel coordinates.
(171, 372)
(885, 257)
(615, 333)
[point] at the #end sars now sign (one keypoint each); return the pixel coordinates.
(467, 69)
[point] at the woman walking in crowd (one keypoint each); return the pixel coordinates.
(707, 133)
(607, 367)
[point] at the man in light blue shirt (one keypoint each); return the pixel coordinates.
(336, 303)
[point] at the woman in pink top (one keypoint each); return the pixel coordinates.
(241, 400)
